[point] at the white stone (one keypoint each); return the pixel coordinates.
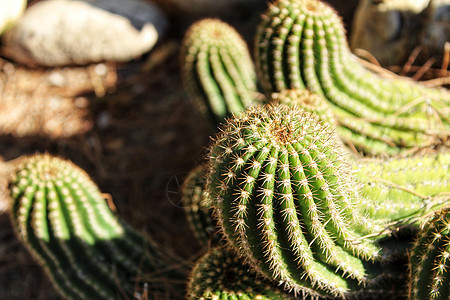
(59, 32)
(10, 11)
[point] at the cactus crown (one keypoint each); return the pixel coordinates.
(430, 259)
(62, 218)
(280, 192)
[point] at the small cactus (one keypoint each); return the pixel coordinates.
(217, 70)
(430, 259)
(62, 218)
(198, 207)
(220, 274)
(282, 194)
(301, 44)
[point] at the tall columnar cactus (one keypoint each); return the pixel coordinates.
(301, 44)
(65, 222)
(399, 188)
(220, 274)
(217, 70)
(282, 194)
(430, 259)
(198, 207)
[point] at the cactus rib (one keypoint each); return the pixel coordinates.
(217, 70)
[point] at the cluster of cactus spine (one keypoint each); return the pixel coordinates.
(281, 194)
(62, 218)
(217, 70)
(301, 44)
(430, 259)
(220, 274)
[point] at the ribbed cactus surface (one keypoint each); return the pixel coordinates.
(430, 259)
(301, 44)
(396, 189)
(197, 205)
(282, 195)
(217, 70)
(65, 222)
(220, 274)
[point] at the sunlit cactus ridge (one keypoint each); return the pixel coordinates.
(217, 70)
(430, 259)
(281, 193)
(65, 222)
(301, 44)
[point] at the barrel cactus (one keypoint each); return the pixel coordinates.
(217, 70)
(301, 44)
(282, 195)
(63, 219)
(430, 259)
(220, 274)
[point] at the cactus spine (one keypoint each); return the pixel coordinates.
(430, 259)
(220, 274)
(62, 218)
(280, 193)
(301, 44)
(217, 70)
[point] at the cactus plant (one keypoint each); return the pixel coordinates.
(198, 207)
(282, 194)
(301, 44)
(62, 218)
(398, 188)
(220, 274)
(217, 70)
(430, 259)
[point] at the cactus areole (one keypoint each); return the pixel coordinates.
(280, 193)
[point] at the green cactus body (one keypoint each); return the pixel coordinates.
(430, 259)
(354, 132)
(62, 218)
(301, 44)
(400, 188)
(220, 274)
(198, 207)
(217, 70)
(280, 193)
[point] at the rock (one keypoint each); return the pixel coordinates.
(436, 29)
(61, 32)
(10, 11)
(388, 29)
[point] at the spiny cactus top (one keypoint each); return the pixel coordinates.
(281, 194)
(430, 259)
(220, 274)
(60, 215)
(217, 70)
(301, 44)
